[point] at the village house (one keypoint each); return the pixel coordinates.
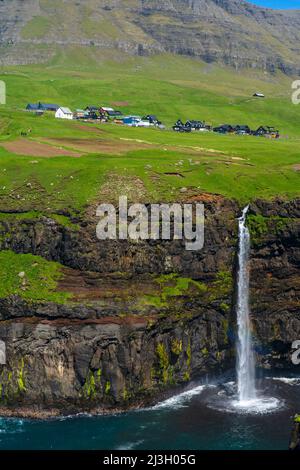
(42, 107)
(224, 129)
(131, 121)
(92, 109)
(114, 114)
(80, 114)
(242, 129)
(111, 113)
(105, 110)
(267, 131)
(32, 107)
(64, 113)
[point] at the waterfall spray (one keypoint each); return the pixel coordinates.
(248, 398)
(246, 361)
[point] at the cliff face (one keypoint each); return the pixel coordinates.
(134, 329)
(295, 436)
(275, 281)
(231, 32)
(69, 366)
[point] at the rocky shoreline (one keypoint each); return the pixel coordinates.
(295, 437)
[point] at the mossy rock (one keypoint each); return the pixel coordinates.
(297, 419)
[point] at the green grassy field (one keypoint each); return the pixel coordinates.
(146, 164)
(30, 277)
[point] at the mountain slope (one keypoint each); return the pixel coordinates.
(231, 32)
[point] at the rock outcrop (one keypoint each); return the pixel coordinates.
(230, 32)
(275, 280)
(295, 437)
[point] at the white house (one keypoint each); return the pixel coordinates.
(64, 113)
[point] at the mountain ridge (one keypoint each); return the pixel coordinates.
(230, 32)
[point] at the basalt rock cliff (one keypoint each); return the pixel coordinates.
(231, 32)
(147, 318)
(295, 436)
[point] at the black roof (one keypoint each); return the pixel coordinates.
(43, 106)
(48, 106)
(32, 106)
(114, 113)
(193, 121)
(225, 126)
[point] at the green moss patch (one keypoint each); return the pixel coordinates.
(260, 226)
(13, 382)
(92, 386)
(170, 288)
(37, 28)
(172, 285)
(221, 288)
(30, 277)
(165, 370)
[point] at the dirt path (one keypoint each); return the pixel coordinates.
(37, 149)
(110, 147)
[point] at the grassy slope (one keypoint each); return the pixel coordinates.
(30, 277)
(170, 87)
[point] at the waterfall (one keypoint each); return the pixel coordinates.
(245, 353)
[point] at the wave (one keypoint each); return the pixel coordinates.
(11, 425)
(286, 380)
(129, 445)
(181, 400)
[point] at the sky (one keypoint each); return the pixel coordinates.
(277, 3)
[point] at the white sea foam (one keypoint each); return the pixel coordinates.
(258, 405)
(129, 445)
(181, 400)
(286, 380)
(11, 425)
